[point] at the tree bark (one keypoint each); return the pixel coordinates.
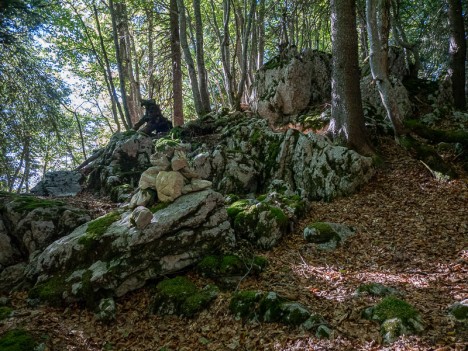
(347, 117)
(178, 108)
(120, 67)
(202, 75)
(457, 51)
(188, 58)
(378, 28)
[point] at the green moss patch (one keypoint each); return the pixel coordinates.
(97, 228)
(30, 203)
(50, 291)
(17, 340)
(392, 307)
(320, 232)
(180, 296)
(5, 312)
(237, 207)
(167, 142)
(159, 206)
(228, 265)
(460, 310)
(270, 307)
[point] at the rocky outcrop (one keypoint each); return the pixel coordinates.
(286, 86)
(27, 226)
(114, 254)
(122, 161)
(248, 157)
(59, 183)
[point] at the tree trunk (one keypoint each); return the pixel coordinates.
(115, 103)
(261, 34)
(202, 75)
(457, 51)
(188, 58)
(377, 14)
(178, 107)
(150, 17)
(347, 117)
(120, 67)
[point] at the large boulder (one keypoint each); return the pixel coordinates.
(27, 226)
(59, 183)
(122, 161)
(286, 86)
(112, 256)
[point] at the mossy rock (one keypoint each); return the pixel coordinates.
(17, 340)
(28, 203)
(163, 143)
(97, 228)
(218, 267)
(5, 312)
(459, 311)
(244, 304)
(50, 291)
(180, 296)
(159, 206)
(397, 317)
(121, 193)
(238, 206)
(376, 289)
(327, 235)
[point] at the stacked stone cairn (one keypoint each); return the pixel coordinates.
(170, 177)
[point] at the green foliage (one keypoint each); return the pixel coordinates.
(97, 228)
(163, 143)
(237, 207)
(17, 340)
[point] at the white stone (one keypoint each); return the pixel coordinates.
(148, 178)
(141, 217)
(179, 160)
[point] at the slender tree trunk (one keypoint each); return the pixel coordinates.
(115, 103)
(245, 50)
(150, 17)
(347, 117)
(377, 13)
(120, 67)
(188, 58)
(27, 165)
(457, 51)
(178, 106)
(202, 75)
(261, 34)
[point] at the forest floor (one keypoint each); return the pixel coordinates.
(412, 234)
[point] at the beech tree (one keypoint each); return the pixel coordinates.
(457, 51)
(347, 117)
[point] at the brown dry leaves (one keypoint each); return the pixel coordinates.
(412, 235)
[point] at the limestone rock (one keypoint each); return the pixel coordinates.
(179, 161)
(169, 185)
(115, 257)
(202, 165)
(143, 198)
(327, 235)
(148, 178)
(12, 276)
(141, 217)
(59, 183)
(106, 310)
(196, 185)
(285, 87)
(161, 161)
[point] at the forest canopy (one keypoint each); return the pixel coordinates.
(74, 72)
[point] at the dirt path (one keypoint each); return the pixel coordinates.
(412, 234)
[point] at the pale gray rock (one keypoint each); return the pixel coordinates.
(179, 160)
(196, 185)
(202, 165)
(59, 183)
(169, 185)
(142, 198)
(148, 178)
(106, 310)
(124, 257)
(161, 161)
(141, 217)
(284, 87)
